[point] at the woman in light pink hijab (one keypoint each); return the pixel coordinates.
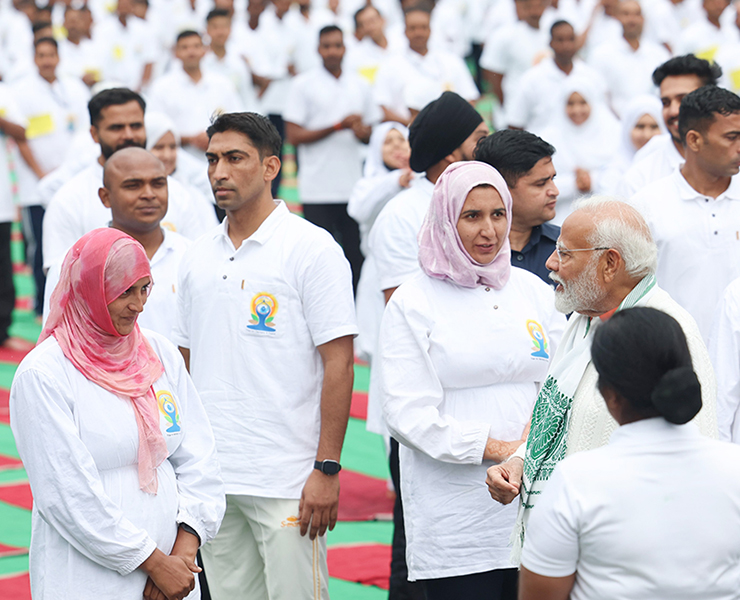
(463, 348)
(119, 453)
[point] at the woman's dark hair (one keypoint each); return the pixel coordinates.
(642, 354)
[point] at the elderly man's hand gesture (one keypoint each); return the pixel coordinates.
(504, 480)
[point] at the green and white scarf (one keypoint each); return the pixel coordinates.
(548, 441)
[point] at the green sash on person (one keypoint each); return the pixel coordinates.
(547, 442)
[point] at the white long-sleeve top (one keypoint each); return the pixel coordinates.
(91, 524)
(458, 366)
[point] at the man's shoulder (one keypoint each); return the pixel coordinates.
(657, 144)
(76, 188)
(658, 191)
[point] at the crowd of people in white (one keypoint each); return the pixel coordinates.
(106, 106)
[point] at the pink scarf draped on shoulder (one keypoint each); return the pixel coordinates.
(98, 269)
(441, 252)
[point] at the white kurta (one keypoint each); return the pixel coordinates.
(91, 524)
(458, 366)
(624, 519)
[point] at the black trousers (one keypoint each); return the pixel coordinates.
(400, 587)
(33, 219)
(334, 218)
(7, 288)
(500, 584)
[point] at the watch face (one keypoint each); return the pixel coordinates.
(331, 467)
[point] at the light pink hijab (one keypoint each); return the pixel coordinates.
(441, 252)
(98, 269)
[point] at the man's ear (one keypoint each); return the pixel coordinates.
(694, 141)
(612, 263)
(272, 167)
(104, 196)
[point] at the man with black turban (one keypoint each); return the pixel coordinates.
(444, 132)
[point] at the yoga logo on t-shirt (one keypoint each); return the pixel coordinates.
(168, 407)
(538, 336)
(264, 309)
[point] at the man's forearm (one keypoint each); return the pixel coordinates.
(295, 134)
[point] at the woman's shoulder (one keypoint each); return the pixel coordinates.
(528, 283)
(46, 356)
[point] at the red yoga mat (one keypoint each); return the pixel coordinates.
(17, 587)
(363, 498)
(18, 495)
(369, 564)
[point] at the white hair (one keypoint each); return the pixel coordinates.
(620, 226)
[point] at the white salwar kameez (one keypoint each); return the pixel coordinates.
(92, 526)
(457, 366)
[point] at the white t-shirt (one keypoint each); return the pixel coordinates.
(448, 384)
(724, 348)
(628, 73)
(702, 39)
(623, 518)
(75, 60)
(534, 103)
(235, 68)
(655, 160)
(125, 51)
(92, 526)
(252, 318)
(393, 236)
(10, 111)
(513, 49)
(54, 113)
(402, 74)
(698, 242)
(331, 166)
(76, 209)
(366, 56)
(191, 105)
(159, 312)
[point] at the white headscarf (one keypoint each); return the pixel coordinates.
(594, 143)
(637, 108)
(374, 165)
(157, 124)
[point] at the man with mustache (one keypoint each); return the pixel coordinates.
(116, 122)
(675, 78)
(604, 261)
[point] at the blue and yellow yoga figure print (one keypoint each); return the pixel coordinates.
(264, 309)
(538, 336)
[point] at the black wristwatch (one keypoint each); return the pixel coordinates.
(327, 467)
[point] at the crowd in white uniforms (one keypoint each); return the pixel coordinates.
(343, 80)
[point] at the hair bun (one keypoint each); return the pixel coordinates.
(677, 396)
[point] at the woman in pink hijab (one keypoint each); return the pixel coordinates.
(464, 346)
(118, 450)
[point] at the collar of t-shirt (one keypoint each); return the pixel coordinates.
(547, 230)
(688, 193)
(264, 231)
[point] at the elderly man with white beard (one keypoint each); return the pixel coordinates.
(604, 261)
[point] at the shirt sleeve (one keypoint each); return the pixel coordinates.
(370, 195)
(67, 490)
(393, 243)
(724, 350)
(325, 280)
(201, 494)
(519, 111)
(464, 82)
(60, 228)
(412, 393)
(551, 543)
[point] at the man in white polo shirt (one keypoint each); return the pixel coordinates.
(56, 109)
(676, 77)
(328, 116)
(117, 121)
(191, 95)
(694, 213)
(265, 321)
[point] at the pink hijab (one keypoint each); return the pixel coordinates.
(98, 269)
(441, 252)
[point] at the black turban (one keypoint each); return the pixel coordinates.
(440, 128)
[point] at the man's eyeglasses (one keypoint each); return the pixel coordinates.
(563, 253)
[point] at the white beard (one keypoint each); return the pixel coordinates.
(580, 294)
